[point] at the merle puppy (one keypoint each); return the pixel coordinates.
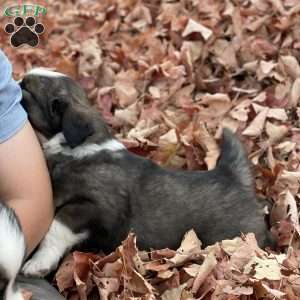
(102, 191)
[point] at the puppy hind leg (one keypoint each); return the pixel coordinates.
(59, 239)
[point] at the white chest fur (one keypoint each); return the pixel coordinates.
(57, 145)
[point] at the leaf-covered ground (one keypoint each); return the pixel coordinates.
(167, 75)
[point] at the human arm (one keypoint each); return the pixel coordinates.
(24, 180)
(25, 184)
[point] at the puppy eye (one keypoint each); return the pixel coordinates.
(58, 106)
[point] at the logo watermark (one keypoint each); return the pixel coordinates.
(24, 28)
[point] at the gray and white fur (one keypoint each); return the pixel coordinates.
(12, 253)
(102, 191)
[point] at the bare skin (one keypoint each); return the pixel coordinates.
(25, 184)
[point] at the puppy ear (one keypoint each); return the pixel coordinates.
(57, 107)
(76, 127)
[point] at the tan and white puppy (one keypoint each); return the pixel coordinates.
(102, 191)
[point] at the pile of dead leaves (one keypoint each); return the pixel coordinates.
(231, 269)
(167, 75)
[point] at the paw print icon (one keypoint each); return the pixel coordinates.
(24, 32)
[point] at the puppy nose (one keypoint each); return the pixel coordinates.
(22, 84)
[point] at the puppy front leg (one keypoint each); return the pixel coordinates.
(53, 247)
(54, 145)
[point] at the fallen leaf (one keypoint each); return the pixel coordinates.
(192, 270)
(91, 56)
(173, 294)
(264, 69)
(129, 115)
(257, 125)
(125, 90)
(262, 290)
(205, 269)
(209, 144)
(106, 286)
(291, 65)
(225, 53)
(238, 290)
(277, 114)
(193, 26)
(190, 243)
(214, 105)
(275, 132)
(241, 111)
(295, 93)
(190, 247)
(64, 275)
(263, 268)
(169, 138)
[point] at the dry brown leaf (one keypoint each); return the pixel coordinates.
(278, 5)
(209, 144)
(193, 26)
(206, 268)
(91, 56)
(129, 115)
(267, 268)
(288, 180)
(275, 132)
(165, 274)
(278, 114)
(138, 284)
(230, 246)
(273, 292)
(190, 247)
(169, 138)
(264, 69)
(238, 290)
(192, 270)
(225, 53)
(111, 269)
(285, 207)
(106, 286)
(173, 294)
(295, 93)
(241, 111)
(125, 90)
(193, 49)
(64, 275)
(190, 243)
(242, 251)
(143, 130)
(214, 105)
(257, 125)
(291, 65)
(272, 162)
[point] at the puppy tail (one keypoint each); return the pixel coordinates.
(12, 253)
(234, 159)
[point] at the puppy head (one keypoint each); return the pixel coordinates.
(54, 102)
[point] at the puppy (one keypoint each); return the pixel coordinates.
(102, 191)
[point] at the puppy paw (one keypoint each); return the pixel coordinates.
(36, 268)
(55, 145)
